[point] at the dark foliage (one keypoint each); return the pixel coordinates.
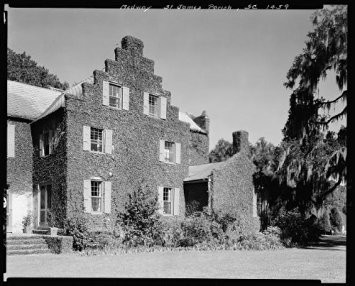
(21, 68)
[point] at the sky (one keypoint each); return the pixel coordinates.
(230, 63)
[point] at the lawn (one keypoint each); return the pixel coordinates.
(324, 263)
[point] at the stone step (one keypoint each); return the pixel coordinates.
(23, 237)
(25, 241)
(27, 246)
(28, 251)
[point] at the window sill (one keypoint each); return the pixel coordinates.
(96, 213)
(169, 163)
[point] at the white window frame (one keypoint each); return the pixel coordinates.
(99, 196)
(118, 96)
(154, 98)
(169, 152)
(102, 141)
(169, 199)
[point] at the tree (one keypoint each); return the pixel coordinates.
(21, 68)
(221, 152)
(326, 49)
(309, 159)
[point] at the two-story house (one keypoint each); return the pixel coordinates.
(87, 147)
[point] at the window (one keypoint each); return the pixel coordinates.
(48, 139)
(115, 96)
(169, 152)
(167, 201)
(153, 105)
(96, 139)
(96, 196)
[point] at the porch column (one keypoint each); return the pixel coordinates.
(210, 192)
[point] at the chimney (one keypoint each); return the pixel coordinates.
(240, 141)
(133, 45)
(203, 121)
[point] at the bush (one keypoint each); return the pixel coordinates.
(59, 244)
(296, 229)
(324, 223)
(336, 220)
(140, 223)
(77, 227)
(172, 231)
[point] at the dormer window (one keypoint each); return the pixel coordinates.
(115, 96)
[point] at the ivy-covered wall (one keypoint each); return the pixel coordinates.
(52, 169)
(198, 148)
(233, 186)
(135, 157)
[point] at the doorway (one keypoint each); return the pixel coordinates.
(45, 203)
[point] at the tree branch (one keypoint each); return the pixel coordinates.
(335, 117)
(344, 94)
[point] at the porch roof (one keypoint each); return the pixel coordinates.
(201, 172)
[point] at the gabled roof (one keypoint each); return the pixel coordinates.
(28, 101)
(183, 116)
(201, 172)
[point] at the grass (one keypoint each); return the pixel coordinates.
(322, 263)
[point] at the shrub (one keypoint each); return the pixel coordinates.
(140, 223)
(296, 229)
(172, 231)
(336, 220)
(324, 223)
(77, 227)
(59, 244)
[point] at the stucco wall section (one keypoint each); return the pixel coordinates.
(19, 168)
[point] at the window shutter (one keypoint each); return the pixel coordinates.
(108, 141)
(160, 200)
(107, 197)
(86, 137)
(87, 196)
(146, 103)
(176, 201)
(41, 145)
(10, 140)
(125, 100)
(177, 153)
(105, 92)
(163, 102)
(161, 150)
